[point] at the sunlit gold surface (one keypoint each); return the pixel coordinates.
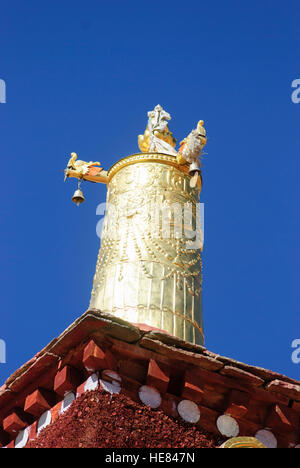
(141, 276)
(243, 442)
(146, 158)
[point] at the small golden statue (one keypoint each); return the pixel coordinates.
(91, 171)
(81, 167)
(190, 150)
(157, 129)
(191, 146)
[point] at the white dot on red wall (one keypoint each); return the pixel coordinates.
(67, 401)
(22, 438)
(92, 383)
(150, 396)
(267, 438)
(228, 426)
(44, 421)
(111, 387)
(189, 411)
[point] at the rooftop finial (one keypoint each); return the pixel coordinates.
(157, 137)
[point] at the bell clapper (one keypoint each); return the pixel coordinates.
(78, 196)
(194, 178)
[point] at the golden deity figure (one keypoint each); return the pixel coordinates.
(149, 267)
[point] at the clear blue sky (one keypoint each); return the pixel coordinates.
(80, 77)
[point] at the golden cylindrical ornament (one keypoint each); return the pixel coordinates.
(149, 268)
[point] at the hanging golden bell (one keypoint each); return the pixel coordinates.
(195, 166)
(78, 197)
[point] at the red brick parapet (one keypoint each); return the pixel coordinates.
(229, 396)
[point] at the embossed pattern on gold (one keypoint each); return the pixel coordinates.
(243, 442)
(142, 274)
